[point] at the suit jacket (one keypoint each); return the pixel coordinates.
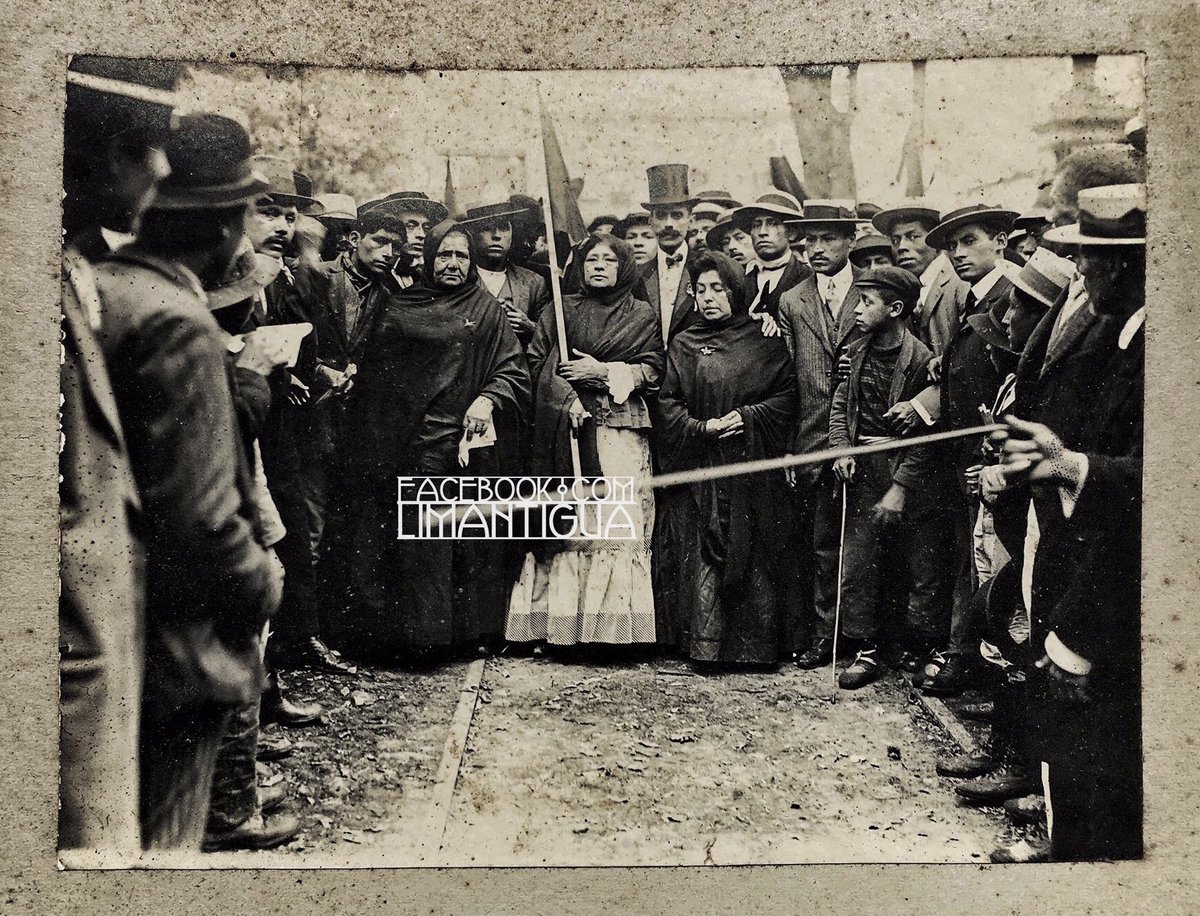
(793, 274)
(210, 586)
(327, 296)
(684, 311)
(528, 292)
(941, 312)
(102, 597)
(815, 342)
(910, 467)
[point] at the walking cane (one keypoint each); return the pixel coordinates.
(837, 608)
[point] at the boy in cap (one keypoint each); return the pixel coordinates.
(886, 490)
(523, 293)
(871, 250)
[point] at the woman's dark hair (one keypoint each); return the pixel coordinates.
(730, 273)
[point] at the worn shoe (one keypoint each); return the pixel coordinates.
(967, 766)
(818, 655)
(1029, 809)
(927, 673)
(313, 654)
(998, 786)
(862, 671)
(961, 672)
(274, 746)
(980, 712)
(908, 661)
(256, 833)
(1020, 852)
(271, 798)
(277, 707)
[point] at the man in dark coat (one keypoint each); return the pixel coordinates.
(665, 277)
(210, 585)
(111, 132)
(776, 268)
(522, 292)
(1082, 560)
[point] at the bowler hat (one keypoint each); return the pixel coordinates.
(1043, 278)
(989, 325)
(1109, 215)
(289, 188)
(492, 213)
(209, 156)
(914, 210)
(668, 185)
(410, 202)
(895, 281)
(779, 204)
(966, 216)
(827, 213)
(637, 218)
(250, 272)
(867, 244)
(338, 206)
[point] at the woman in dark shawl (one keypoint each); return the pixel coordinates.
(593, 591)
(444, 365)
(730, 395)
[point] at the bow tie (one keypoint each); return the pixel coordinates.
(673, 259)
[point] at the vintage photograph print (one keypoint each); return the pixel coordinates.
(576, 468)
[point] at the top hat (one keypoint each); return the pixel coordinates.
(1043, 277)
(977, 213)
(209, 155)
(637, 218)
(869, 243)
(1110, 215)
(410, 202)
(668, 185)
(894, 280)
(828, 213)
(915, 210)
(289, 188)
(250, 272)
(505, 212)
(989, 325)
(338, 206)
(722, 198)
(779, 204)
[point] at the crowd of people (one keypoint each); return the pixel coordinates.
(229, 506)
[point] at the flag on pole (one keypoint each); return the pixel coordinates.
(784, 179)
(564, 193)
(448, 194)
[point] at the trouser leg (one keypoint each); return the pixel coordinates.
(235, 779)
(863, 549)
(927, 620)
(826, 497)
(964, 628)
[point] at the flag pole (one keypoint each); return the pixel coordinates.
(555, 285)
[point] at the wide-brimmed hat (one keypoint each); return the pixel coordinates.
(894, 280)
(914, 210)
(250, 272)
(965, 216)
(477, 217)
(1109, 215)
(211, 169)
(779, 204)
(867, 244)
(721, 198)
(827, 213)
(989, 325)
(338, 206)
(715, 237)
(637, 218)
(289, 188)
(410, 202)
(1042, 278)
(668, 184)
(867, 211)
(1032, 219)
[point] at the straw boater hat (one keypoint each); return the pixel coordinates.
(668, 185)
(966, 216)
(867, 244)
(209, 155)
(916, 209)
(838, 213)
(1032, 219)
(506, 212)
(249, 273)
(411, 202)
(779, 204)
(289, 188)
(338, 206)
(1109, 215)
(1043, 278)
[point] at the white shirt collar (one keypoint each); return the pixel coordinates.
(115, 239)
(1132, 325)
(778, 264)
(934, 268)
(984, 284)
(841, 280)
(493, 280)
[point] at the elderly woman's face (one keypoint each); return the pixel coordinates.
(453, 260)
(712, 297)
(600, 267)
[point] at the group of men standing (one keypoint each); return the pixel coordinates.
(225, 490)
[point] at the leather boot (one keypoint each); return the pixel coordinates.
(277, 707)
(818, 655)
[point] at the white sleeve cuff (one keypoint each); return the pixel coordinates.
(1071, 662)
(1070, 495)
(620, 381)
(928, 404)
(922, 412)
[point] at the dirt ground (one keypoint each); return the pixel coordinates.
(631, 764)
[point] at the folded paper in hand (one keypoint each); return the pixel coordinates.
(479, 440)
(288, 335)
